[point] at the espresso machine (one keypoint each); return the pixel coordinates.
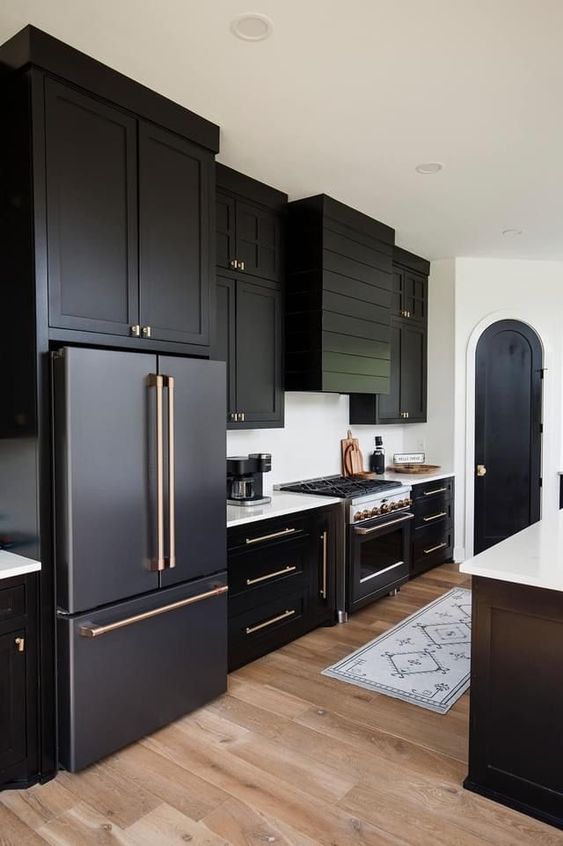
(245, 478)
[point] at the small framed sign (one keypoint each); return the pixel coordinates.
(409, 458)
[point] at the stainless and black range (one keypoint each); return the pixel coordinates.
(378, 524)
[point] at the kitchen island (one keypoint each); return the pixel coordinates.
(516, 742)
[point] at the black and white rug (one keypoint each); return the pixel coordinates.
(425, 659)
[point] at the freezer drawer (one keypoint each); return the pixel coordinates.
(131, 668)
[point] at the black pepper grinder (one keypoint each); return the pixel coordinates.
(377, 458)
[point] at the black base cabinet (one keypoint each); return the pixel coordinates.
(515, 747)
(18, 682)
(433, 524)
(282, 580)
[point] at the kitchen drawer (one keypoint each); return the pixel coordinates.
(259, 567)
(432, 545)
(263, 533)
(433, 510)
(425, 490)
(263, 628)
(12, 602)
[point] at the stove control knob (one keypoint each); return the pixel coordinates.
(408, 502)
(395, 505)
(374, 512)
(365, 514)
(384, 508)
(358, 515)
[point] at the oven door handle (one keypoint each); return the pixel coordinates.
(403, 519)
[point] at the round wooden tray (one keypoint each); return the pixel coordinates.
(414, 468)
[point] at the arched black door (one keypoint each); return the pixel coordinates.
(508, 401)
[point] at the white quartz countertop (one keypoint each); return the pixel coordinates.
(282, 503)
(532, 557)
(16, 565)
(416, 478)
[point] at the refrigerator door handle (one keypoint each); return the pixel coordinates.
(96, 631)
(171, 560)
(159, 563)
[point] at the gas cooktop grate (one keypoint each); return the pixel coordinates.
(340, 486)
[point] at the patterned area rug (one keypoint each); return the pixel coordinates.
(424, 660)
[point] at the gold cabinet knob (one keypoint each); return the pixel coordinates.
(146, 330)
(241, 265)
(481, 470)
(233, 264)
(135, 330)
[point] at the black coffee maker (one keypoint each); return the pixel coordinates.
(244, 478)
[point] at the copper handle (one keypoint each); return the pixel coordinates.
(289, 569)
(251, 629)
(241, 265)
(435, 491)
(324, 540)
(233, 264)
(281, 534)
(20, 644)
(435, 548)
(158, 563)
(97, 631)
(146, 330)
(171, 562)
(435, 516)
(135, 330)
(384, 525)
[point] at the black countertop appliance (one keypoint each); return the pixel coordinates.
(245, 478)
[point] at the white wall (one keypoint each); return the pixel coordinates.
(309, 444)
(487, 290)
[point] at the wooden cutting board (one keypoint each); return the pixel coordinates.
(352, 458)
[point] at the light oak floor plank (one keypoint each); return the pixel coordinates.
(287, 757)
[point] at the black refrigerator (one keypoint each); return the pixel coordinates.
(140, 546)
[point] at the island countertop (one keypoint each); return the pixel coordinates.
(532, 557)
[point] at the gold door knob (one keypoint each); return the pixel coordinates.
(481, 470)
(20, 644)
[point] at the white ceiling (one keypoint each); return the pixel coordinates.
(347, 97)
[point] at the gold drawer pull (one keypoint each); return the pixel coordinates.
(435, 516)
(435, 548)
(435, 491)
(281, 534)
(323, 587)
(20, 644)
(289, 569)
(251, 629)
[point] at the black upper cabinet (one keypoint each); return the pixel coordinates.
(249, 311)
(249, 225)
(175, 185)
(338, 302)
(406, 400)
(249, 339)
(91, 171)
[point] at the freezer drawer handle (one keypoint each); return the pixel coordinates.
(289, 569)
(251, 629)
(281, 534)
(384, 525)
(97, 631)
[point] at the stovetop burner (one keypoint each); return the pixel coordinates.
(341, 486)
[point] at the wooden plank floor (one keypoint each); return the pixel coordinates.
(287, 757)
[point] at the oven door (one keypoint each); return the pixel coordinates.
(379, 553)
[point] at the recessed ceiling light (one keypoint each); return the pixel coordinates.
(511, 233)
(251, 26)
(429, 167)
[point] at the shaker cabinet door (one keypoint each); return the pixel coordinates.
(13, 710)
(91, 195)
(259, 393)
(175, 226)
(389, 405)
(413, 371)
(225, 336)
(258, 241)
